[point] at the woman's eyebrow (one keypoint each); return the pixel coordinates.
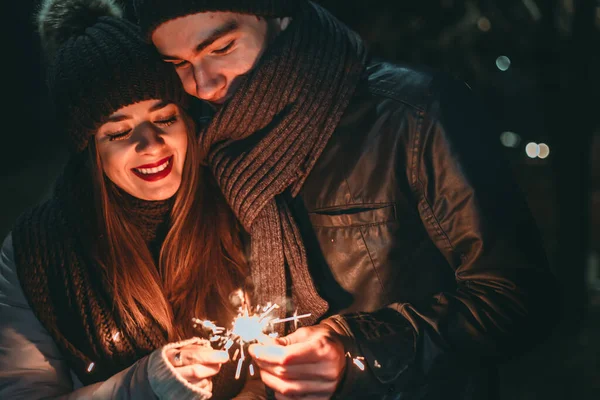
(155, 107)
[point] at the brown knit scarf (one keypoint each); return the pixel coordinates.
(66, 289)
(267, 138)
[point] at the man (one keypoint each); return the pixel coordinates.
(374, 198)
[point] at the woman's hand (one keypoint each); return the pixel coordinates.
(196, 363)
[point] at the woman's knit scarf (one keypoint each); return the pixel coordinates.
(70, 295)
(267, 138)
(67, 290)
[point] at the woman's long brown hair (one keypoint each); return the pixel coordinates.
(201, 260)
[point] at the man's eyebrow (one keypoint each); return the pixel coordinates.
(215, 35)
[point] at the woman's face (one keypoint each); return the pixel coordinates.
(142, 149)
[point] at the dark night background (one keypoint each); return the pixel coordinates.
(534, 63)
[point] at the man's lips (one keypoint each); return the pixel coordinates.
(219, 101)
(222, 98)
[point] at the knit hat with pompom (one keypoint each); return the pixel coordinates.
(98, 63)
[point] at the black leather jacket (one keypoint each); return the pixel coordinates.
(420, 239)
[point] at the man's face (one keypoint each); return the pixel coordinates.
(211, 50)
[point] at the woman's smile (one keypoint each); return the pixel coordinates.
(154, 171)
(142, 149)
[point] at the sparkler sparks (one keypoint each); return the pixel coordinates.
(358, 361)
(252, 325)
(238, 371)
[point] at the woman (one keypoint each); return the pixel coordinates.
(100, 283)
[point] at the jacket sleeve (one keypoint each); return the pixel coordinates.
(505, 298)
(32, 367)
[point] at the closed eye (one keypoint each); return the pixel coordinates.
(224, 49)
(119, 135)
(179, 64)
(167, 121)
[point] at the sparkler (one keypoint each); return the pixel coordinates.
(252, 325)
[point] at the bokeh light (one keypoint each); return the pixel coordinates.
(484, 24)
(503, 63)
(532, 150)
(544, 150)
(510, 139)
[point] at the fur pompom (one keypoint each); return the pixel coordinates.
(58, 20)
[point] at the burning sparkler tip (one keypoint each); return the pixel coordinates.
(252, 325)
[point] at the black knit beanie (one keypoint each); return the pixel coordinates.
(98, 63)
(151, 13)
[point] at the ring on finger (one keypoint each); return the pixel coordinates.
(177, 359)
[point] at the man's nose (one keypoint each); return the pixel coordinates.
(208, 82)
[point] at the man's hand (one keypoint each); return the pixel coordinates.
(307, 364)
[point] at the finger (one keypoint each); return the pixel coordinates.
(196, 372)
(299, 387)
(266, 339)
(300, 335)
(197, 355)
(198, 348)
(205, 384)
(267, 352)
(298, 353)
(204, 357)
(299, 371)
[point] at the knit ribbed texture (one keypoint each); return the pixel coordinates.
(167, 383)
(151, 218)
(107, 67)
(267, 138)
(69, 294)
(67, 291)
(152, 13)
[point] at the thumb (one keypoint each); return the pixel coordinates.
(210, 357)
(301, 335)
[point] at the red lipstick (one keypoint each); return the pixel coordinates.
(144, 171)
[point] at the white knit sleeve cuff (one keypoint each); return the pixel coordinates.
(167, 383)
